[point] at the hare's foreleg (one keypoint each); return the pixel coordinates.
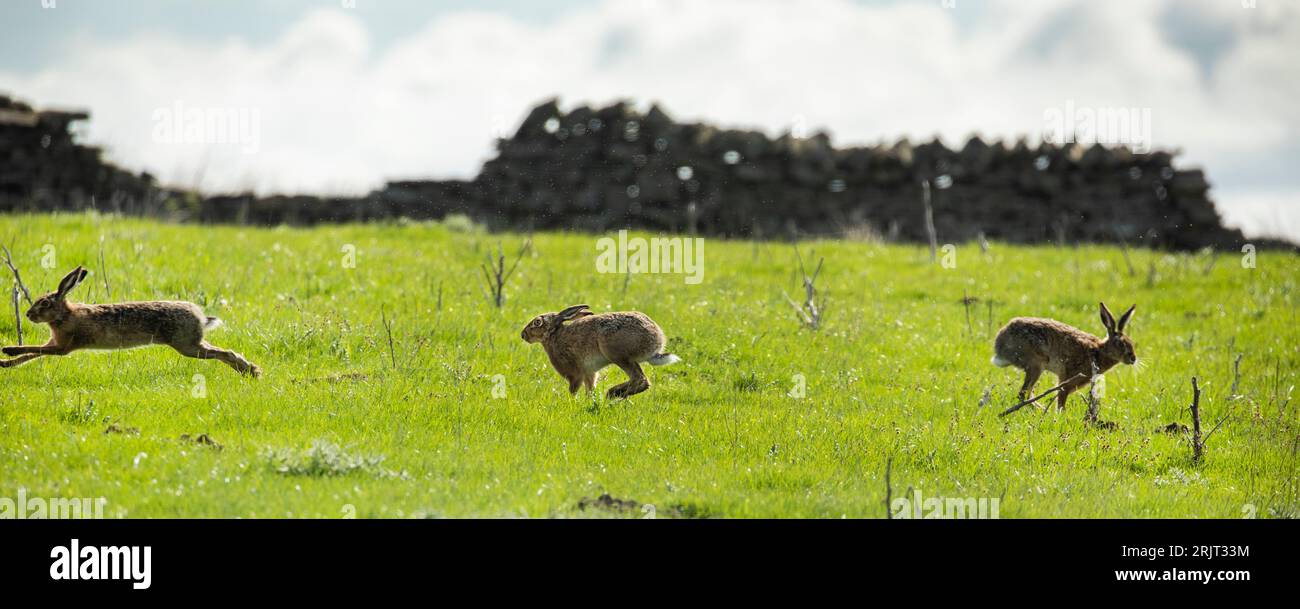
(1066, 391)
(18, 361)
(636, 383)
(50, 348)
(589, 380)
(1031, 378)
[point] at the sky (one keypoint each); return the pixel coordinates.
(337, 96)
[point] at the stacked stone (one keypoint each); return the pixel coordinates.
(42, 168)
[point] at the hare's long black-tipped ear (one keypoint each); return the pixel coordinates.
(1123, 319)
(1107, 319)
(572, 312)
(71, 280)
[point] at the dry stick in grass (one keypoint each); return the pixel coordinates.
(388, 328)
(1094, 405)
(18, 286)
(1042, 395)
(966, 301)
(929, 221)
(1198, 444)
(810, 314)
(1236, 377)
(18, 278)
(18, 317)
(499, 275)
(889, 490)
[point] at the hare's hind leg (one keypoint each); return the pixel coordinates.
(232, 359)
(204, 350)
(636, 383)
(1031, 378)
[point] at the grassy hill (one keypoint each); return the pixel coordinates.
(343, 423)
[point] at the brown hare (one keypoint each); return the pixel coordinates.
(179, 325)
(1034, 344)
(588, 342)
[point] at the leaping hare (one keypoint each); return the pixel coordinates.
(1034, 344)
(179, 325)
(588, 342)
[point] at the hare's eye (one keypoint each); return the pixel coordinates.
(536, 322)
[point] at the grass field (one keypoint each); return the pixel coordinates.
(340, 425)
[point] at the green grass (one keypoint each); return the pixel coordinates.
(340, 426)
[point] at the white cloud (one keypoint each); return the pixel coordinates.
(337, 115)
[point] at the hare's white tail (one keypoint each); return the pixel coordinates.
(664, 359)
(211, 324)
(999, 362)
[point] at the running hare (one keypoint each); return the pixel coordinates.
(73, 326)
(1034, 344)
(589, 342)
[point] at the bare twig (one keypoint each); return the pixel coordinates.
(496, 275)
(388, 329)
(1198, 444)
(18, 278)
(810, 312)
(18, 317)
(1042, 395)
(967, 301)
(1236, 377)
(1093, 402)
(889, 490)
(1216, 427)
(929, 221)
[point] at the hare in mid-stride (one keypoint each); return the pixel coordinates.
(73, 326)
(588, 342)
(1035, 344)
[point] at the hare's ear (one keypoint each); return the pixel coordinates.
(70, 281)
(1107, 319)
(1123, 319)
(573, 312)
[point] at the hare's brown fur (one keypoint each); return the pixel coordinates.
(1034, 345)
(588, 342)
(74, 326)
